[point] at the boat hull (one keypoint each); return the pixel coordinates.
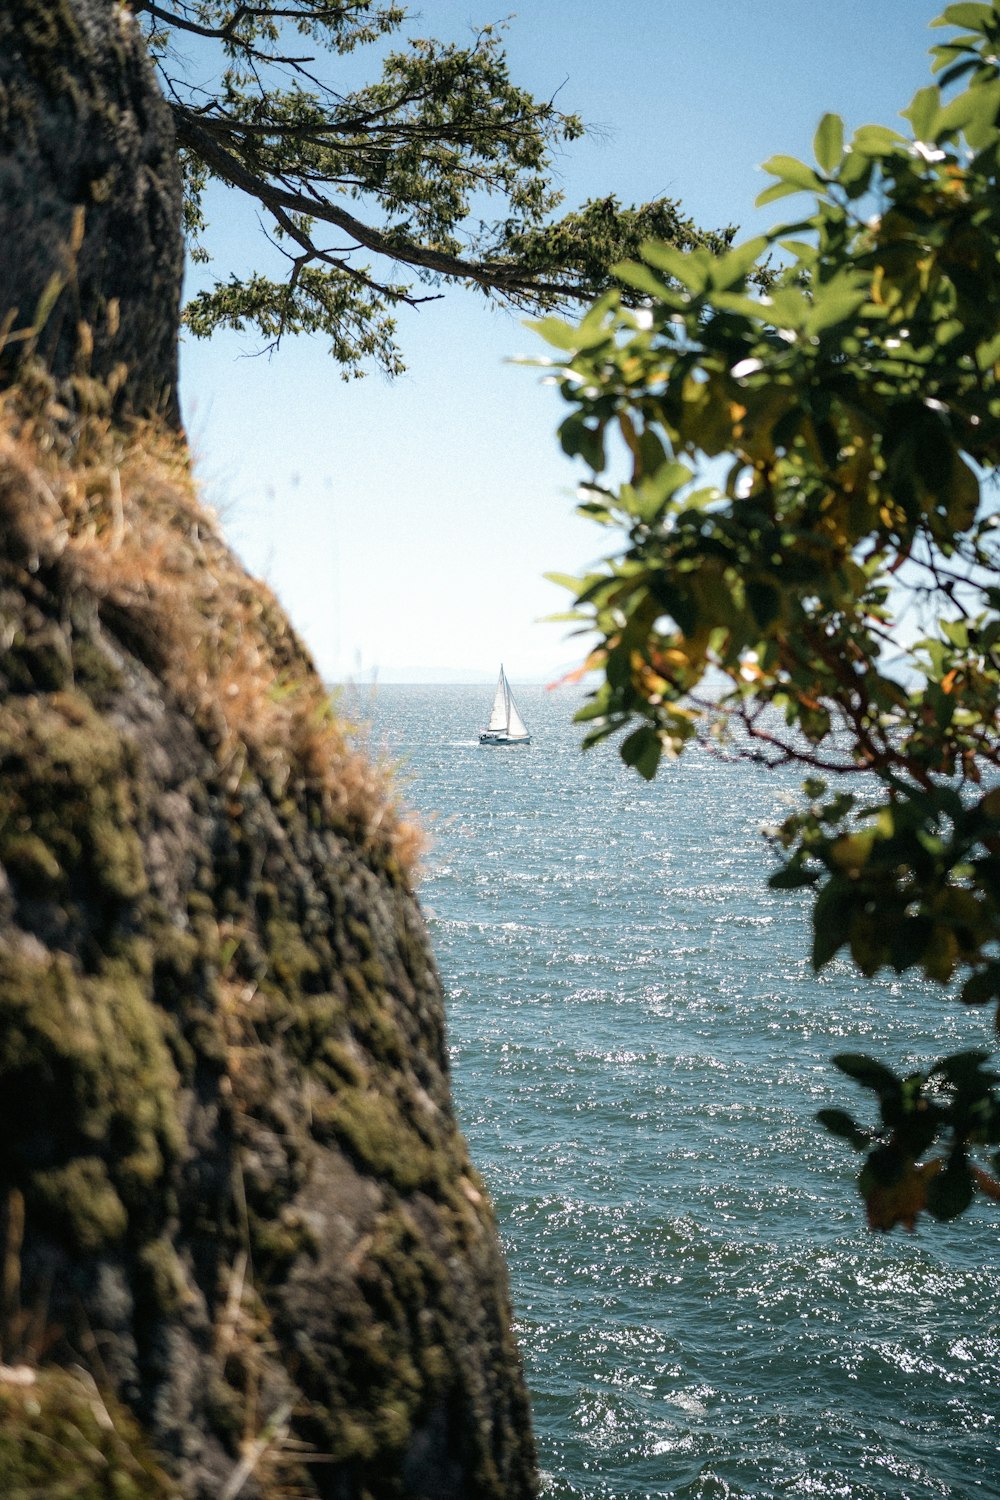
(486, 738)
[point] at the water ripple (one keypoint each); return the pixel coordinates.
(639, 1049)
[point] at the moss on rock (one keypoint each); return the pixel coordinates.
(62, 1438)
(224, 1093)
(67, 801)
(88, 1108)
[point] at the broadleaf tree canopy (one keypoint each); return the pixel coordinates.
(840, 582)
(439, 170)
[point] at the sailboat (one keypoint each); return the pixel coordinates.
(506, 727)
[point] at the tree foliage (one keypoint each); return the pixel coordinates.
(440, 170)
(833, 602)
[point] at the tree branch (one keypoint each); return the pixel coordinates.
(505, 279)
(331, 258)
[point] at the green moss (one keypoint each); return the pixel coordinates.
(391, 1343)
(371, 1127)
(185, 965)
(278, 1243)
(337, 1064)
(93, 670)
(30, 861)
(66, 783)
(88, 1095)
(37, 660)
(161, 1276)
(360, 934)
(371, 1019)
(291, 960)
(271, 965)
(53, 47)
(62, 1439)
(80, 1196)
(373, 974)
(309, 1026)
(179, 972)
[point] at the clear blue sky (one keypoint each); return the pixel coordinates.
(406, 525)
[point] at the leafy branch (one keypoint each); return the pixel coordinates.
(406, 169)
(857, 402)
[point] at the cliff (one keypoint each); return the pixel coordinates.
(233, 1187)
(244, 1252)
(91, 252)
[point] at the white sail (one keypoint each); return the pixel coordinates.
(515, 724)
(498, 714)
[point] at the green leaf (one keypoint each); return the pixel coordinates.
(732, 267)
(925, 107)
(831, 923)
(877, 140)
(963, 495)
(789, 308)
(856, 173)
(838, 1122)
(684, 266)
(868, 1071)
(957, 70)
(981, 987)
(764, 601)
(569, 336)
(971, 13)
(908, 940)
(47, 301)
(595, 708)
(653, 493)
(828, 142)
(950, 1192)
(774, 192)
(988, 353)
(974, 111)
(645, 280)
(642, 750)
(965, 1070)
(791, 878)
(838, 302)
(565, 581)
(796, 173)
(578, 438)
(600, 732)
(802, 250)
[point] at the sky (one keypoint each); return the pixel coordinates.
(406, 525)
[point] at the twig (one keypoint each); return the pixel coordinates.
(275, 1431)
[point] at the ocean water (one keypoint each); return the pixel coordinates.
(639, 1049)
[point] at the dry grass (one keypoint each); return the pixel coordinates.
(121, 512)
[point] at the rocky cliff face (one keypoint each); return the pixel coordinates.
(232, 1180)
(244, 1252)
(90, 203)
